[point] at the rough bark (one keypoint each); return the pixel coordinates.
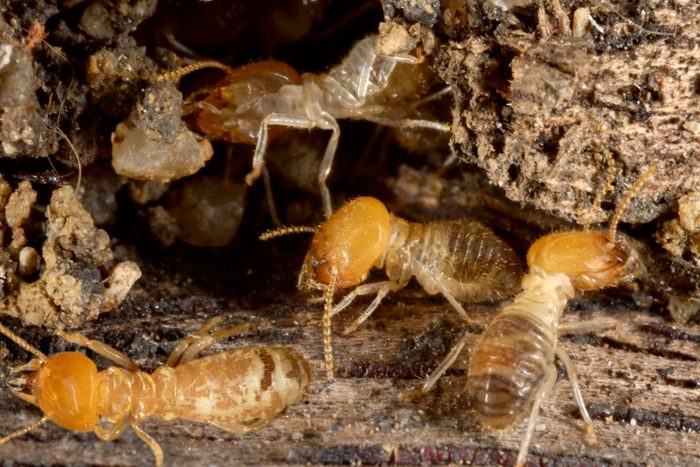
(536, 107)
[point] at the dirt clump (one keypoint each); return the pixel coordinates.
(73, 278)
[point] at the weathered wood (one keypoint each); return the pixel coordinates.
(641, 383)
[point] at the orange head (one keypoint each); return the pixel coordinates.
(232, 112)
(589, 258)
(348, 244)
(65, 388)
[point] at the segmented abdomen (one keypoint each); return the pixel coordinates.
(508, 366)
(238, 391)
(467, 258)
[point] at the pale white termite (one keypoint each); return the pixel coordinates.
(366, 85)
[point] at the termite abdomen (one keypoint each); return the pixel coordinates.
(514, 356)
(466, 258)
(258, 383)
(507, 368)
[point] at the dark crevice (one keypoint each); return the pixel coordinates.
(673, 420)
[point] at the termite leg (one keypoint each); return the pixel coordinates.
(271, 206)
(411, 123)
(152, 443)
(189, 347)
(100, 348)
(571, 371)
(450, 298)
(585, 327)
(550, 379)
(380, 288)
(187, 341)
(326, 122)
(363, 83)
(111, 433)
(445, 364)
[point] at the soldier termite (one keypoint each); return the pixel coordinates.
(239, 390)
(511, 369)
(367, 85)
(462, 260)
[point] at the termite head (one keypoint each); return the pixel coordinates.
(348, 244)
(64, 387)
(230, 112)
(591, 259)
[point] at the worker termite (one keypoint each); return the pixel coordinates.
(511, 369)
(367, 85)
(239, 390)
(462, 260)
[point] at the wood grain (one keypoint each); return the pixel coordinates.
(641, 383)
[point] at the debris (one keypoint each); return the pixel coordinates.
(75, 259)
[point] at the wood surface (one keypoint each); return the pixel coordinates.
(641, 383)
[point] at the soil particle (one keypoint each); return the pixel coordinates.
(153, 143)
(77, 279)
(103, 19)
(21, 126)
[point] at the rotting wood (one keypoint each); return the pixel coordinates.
(533, 110)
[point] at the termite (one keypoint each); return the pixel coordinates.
(511, 369)
(239, 390)
(462, 260)
(367, 85)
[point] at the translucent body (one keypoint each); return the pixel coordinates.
(512, 366)
(366, 85)
(512, 370)
(516, 351)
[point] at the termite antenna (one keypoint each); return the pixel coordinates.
(602, 191)
(23, 431)
(23, 344)
(63, 135)
(271, 206)
(175, 75)
(286, 230)
(643, 179)
(326, 322)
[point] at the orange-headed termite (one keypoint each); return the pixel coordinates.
(511, 369)
(462, 260)
(238, 390)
